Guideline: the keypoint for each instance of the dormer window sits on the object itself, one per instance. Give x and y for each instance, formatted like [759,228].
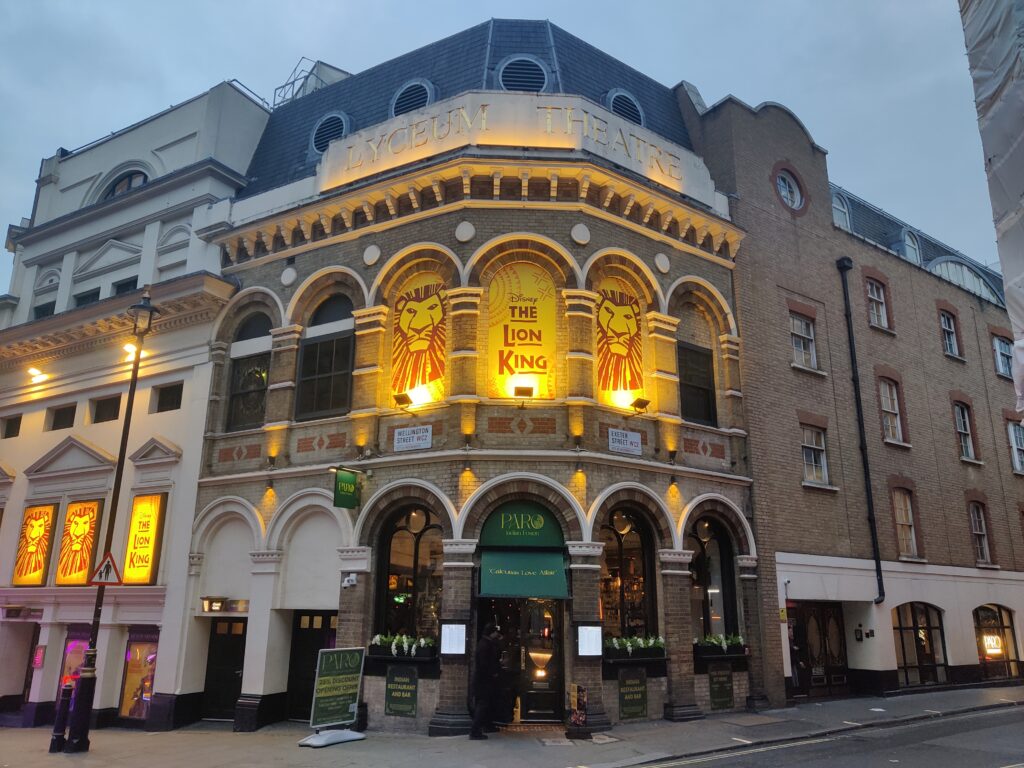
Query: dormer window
[911,249]
[125,183]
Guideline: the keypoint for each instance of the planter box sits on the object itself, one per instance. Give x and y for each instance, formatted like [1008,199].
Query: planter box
[735,655]
[611,655]
[384,652]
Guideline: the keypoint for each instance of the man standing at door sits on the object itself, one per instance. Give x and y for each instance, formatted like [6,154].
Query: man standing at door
[486,668]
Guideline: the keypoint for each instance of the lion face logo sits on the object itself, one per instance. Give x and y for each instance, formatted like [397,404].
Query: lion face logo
[33,546]
[76,544]
[418,346]
[619,350]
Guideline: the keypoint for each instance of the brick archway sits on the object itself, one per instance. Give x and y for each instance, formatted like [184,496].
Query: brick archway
[522,488]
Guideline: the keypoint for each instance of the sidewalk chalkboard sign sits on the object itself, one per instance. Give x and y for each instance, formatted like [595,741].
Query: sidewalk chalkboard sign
[400,690]
[339,674]
[720,685]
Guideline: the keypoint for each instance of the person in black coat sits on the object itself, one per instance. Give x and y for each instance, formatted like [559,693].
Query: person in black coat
[486,668]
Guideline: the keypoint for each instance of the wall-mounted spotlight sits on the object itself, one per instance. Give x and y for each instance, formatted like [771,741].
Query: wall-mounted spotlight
[673,482]
[671,457]
[403,401]
[270,483]
[639,406]
[522,394]
[466,464]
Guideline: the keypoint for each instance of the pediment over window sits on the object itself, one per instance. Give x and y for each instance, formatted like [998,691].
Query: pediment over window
[156,451]
[111,255]
[72,456]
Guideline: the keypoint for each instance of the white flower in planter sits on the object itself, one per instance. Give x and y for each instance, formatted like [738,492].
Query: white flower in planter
[394,648]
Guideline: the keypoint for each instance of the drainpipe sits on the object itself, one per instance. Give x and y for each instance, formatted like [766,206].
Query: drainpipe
[844,265]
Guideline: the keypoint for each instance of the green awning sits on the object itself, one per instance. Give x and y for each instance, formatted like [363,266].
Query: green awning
[522,573]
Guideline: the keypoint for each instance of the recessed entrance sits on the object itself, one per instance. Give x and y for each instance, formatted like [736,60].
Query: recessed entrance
[817,649]
[531,657]
[311,631]
[224,668]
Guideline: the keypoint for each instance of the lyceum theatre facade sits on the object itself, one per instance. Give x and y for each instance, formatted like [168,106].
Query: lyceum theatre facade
[490,283]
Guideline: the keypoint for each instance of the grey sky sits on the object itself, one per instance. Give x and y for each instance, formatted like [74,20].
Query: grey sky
[883,85]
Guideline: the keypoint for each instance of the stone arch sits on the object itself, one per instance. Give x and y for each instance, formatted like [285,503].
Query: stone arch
[398,493]
[440,258]
[243,304]
[522,486]
[636,495]
[709,296]
[300,505]
[219,511]
[319,286]
[97,191]
[488,257]
[624,264]
[725,511]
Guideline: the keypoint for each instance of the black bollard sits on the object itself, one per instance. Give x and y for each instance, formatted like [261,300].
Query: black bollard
[61,721]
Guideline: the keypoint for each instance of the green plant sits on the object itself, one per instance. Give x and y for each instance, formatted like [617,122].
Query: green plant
[630,644]
[719,641]
[403,645]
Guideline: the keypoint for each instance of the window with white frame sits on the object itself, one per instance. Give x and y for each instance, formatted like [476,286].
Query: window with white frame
[789,190]
[878,313]
[950,345]
[979,533]
[962,416]
[801,330]
[903,513]
[892,425]
[840,212]
[815,463]
[1003,349]
[911,248]
[1016,434]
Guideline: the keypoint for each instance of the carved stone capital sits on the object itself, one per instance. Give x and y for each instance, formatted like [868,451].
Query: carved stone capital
[746,561]
[677,559]
[354,559]
[195,563]
[458,546]
[662,326]
[585,548]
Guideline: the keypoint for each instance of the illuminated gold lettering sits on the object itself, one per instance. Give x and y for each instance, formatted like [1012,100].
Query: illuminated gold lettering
[355,158]
[620,139]
[418,130]
[640,145]
[481,112]
[447,128]
[654,158]
[570,122]
[600,130]
[391,140]
[673,166]
[547,117]
[375,148]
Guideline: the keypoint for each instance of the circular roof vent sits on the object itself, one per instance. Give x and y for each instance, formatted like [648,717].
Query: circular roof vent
[329,128]
[523,74]
[624,105]
[414,95]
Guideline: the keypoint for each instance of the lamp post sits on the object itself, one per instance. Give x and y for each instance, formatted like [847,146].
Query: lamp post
[142,315]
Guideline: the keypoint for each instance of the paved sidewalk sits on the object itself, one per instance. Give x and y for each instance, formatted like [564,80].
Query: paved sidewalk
[206,745]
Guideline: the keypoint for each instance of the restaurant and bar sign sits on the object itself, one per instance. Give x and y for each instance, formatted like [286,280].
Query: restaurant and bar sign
[339,673]
[720,686]
[632,693]
[400,689]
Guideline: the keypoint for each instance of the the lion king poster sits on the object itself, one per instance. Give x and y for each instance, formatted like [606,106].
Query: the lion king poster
[620,349]
[33,555]
[419,338]
[77,543]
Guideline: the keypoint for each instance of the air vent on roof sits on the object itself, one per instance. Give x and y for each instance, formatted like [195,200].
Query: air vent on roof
[329,128]
[523,74]
[411,96]
[624,105]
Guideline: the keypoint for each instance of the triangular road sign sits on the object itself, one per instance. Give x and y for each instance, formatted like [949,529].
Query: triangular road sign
[107,574]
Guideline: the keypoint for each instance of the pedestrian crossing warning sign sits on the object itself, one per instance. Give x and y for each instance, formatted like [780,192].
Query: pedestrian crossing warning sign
[107,574]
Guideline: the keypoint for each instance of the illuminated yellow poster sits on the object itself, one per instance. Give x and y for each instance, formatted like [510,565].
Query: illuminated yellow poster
[521,307]
[418,342]
[74,566]
[143,550]
[34,546]
[620,348]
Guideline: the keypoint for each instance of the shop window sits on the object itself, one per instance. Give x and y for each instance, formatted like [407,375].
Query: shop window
[696,384]
[713,592]
[74,655]
[139,668]
[920,644]
[627,589]
[997,643]
[410,600]
[325,361]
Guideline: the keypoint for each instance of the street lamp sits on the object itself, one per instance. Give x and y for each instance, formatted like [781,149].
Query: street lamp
[142,315]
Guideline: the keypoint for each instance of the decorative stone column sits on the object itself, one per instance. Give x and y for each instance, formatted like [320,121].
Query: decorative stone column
[218,386]
[265,669]
[585,566]
[368,368]
[675,585]
[579,312]
[284,366]
[355,608]
[730,384]
[464,318]
[747,565]
[663,379]
[452,718]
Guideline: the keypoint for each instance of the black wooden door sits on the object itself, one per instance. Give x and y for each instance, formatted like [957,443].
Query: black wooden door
[311,631]
[821,649]
[224,668]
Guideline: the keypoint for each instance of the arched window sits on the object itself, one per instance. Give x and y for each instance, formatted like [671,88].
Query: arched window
[920,644]
[126,182]
[911,248]
[713,595]
[250,369]
[840,212]
[997,644]
[324,386]
[627,587]
[410,589]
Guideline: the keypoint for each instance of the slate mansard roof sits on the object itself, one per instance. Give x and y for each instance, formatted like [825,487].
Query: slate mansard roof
[468,60]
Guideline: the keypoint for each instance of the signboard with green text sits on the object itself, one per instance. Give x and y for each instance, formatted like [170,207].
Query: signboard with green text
[346,488]
[400,690]
[339,674]
[632,693]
